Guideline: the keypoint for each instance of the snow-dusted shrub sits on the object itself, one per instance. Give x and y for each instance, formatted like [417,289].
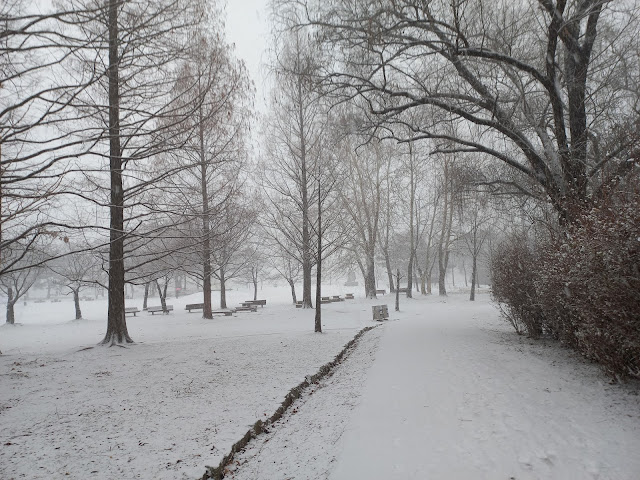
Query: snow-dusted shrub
[588,283]
[513,272]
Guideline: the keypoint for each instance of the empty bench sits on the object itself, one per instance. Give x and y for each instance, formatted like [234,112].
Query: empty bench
[133,310]
[348,296]
[194,306]
[226,313]
[262,303]
[248,308]
[159,309]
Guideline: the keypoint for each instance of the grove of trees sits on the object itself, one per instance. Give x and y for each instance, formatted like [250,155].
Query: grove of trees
[416,143]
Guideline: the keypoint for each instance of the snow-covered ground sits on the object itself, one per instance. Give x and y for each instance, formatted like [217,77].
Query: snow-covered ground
[444,390]
[452,393]
[164,407]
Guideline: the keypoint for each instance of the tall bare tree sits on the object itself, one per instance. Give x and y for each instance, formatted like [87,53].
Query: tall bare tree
[134,46]
[537,86]
[293,141]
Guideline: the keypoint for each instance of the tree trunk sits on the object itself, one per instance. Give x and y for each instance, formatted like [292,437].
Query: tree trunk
[387,262]
[163,295]
[370,275]
[206,234]
[11,319]
[472,296]
[254,278]
[318,320]
[464,270]
[146,296]
[412,194]
[423,279]
[76,302]
[398,290]
[116,321]
[293,290]
[306,235]
[223,290]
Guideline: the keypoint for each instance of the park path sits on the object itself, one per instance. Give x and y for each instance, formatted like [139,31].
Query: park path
[452,394]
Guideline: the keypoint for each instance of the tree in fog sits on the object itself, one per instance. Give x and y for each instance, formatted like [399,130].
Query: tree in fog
[16,284]
[233,253]
[214,154]
[293,143]
[366,171]
[539,86]
[77,271]
[37,144]
[134,47]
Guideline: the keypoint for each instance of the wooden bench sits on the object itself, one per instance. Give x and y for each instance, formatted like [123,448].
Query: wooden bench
[226,313]
[402,290]
[158,309]
[325,299]
[337,298]
[348,296]
[194,306]
[262,303]
[133,310]
[250,308]
[299,304]
[382,291]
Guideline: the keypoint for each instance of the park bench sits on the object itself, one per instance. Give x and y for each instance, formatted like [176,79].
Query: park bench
[299,304]
[402,290]
[133,310]
[250,308]
[337,298]
[226,313]
[158,309]
[325,299]
[381,291]
[262,303]
[348,296]
[194,306]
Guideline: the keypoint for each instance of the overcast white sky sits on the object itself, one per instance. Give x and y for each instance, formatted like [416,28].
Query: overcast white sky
[248,28]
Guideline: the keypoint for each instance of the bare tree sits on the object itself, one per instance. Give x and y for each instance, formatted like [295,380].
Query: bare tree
[36,143]
[534,85]
[78,270]
[215,149]
[233,254]
[16,284]
[362,198]
[133,47]
[292,140]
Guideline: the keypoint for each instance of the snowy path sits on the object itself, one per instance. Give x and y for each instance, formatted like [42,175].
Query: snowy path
[452,394]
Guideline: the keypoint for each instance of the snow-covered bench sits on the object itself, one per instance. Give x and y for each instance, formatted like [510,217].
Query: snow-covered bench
[249,308]
[348,296]
[194,306]
[262,303]
[158,309]
[133,310]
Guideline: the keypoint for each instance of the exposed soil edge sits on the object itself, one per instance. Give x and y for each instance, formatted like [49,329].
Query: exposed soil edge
[217,473]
